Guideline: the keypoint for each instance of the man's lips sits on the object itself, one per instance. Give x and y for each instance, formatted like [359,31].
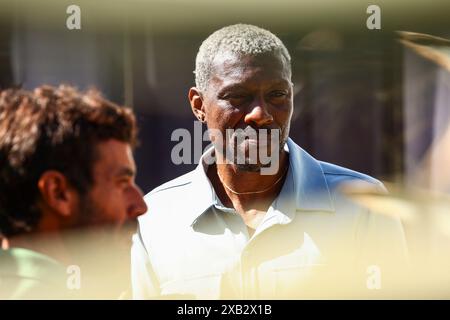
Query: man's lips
[254,137]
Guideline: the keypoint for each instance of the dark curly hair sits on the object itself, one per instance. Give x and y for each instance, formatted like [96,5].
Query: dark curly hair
[51,129]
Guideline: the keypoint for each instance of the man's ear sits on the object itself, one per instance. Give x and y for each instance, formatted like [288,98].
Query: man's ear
[57,194]
[197,106]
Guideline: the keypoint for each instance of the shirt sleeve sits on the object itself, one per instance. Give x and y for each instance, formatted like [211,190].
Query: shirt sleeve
[143,279]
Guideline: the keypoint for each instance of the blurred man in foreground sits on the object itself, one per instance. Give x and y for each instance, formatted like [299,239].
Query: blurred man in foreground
[66,191]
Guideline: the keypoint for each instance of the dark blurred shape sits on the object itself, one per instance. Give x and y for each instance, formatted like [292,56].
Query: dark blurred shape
[6,77]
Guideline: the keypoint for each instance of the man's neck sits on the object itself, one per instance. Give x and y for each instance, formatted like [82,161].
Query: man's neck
[251,193]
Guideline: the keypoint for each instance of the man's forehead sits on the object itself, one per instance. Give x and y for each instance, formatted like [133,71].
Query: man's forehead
[231,68]
[226,59]
[114,153]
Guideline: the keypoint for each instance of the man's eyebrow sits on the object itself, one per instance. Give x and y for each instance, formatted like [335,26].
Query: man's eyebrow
[281,82]
[126,171]
[233,86]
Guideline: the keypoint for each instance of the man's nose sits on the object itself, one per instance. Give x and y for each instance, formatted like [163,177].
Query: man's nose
[138,205]
[258,113]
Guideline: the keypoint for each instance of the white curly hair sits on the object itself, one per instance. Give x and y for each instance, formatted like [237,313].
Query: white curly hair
[242,39]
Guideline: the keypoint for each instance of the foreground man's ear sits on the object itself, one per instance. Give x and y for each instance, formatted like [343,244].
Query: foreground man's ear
[195,98]
[56,193]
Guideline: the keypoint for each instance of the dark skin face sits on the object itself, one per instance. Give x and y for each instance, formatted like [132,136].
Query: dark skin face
[246,91]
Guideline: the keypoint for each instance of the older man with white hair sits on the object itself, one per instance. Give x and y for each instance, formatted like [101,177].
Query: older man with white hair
[229,230]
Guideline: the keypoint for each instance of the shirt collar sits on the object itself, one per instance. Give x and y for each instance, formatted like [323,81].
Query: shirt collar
[310,185]
[203,191]
[306,180]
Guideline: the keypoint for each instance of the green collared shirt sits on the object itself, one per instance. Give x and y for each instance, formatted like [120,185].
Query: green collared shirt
[25,274]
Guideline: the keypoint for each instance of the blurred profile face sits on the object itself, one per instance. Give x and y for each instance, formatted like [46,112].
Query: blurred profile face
[249,93]
[107,216]
[114,198]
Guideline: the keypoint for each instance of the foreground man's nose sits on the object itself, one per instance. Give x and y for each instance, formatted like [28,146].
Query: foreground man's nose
[138,205]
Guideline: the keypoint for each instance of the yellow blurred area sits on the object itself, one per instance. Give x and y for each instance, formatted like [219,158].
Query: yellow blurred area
[181,15]
[425,216]
[94,263]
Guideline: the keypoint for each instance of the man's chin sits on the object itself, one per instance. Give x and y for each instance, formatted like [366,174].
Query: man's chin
[248,167]
[251,167]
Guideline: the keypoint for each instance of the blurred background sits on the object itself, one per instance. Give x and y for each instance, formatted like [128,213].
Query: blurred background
[376,101]
[363,99]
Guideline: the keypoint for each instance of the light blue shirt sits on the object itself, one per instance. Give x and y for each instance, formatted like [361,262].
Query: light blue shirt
[189,244]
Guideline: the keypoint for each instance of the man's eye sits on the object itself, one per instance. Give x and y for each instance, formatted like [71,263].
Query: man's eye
[123,182]
[278,94]
[237,99]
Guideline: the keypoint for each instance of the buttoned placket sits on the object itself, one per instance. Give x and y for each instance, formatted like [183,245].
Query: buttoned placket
[248,271]
[281,211]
